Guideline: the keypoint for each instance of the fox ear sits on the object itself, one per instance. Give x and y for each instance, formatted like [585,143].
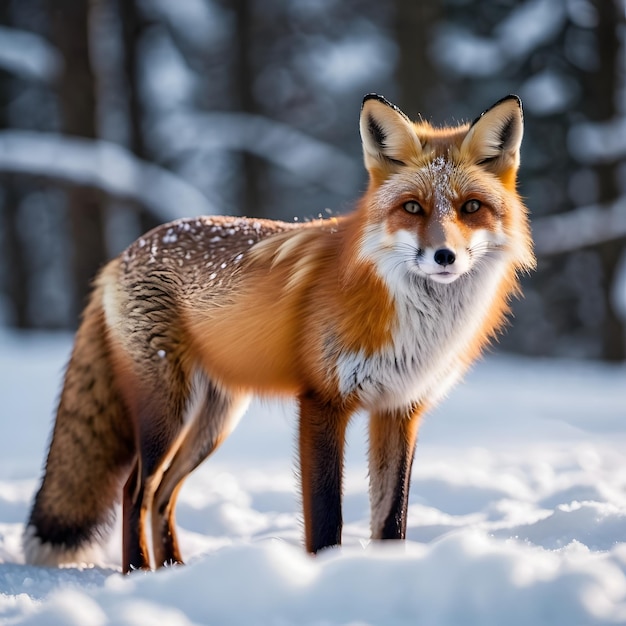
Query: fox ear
[387,134]
[493,140]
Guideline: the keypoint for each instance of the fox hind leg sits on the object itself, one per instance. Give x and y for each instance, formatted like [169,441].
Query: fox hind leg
[214,416]
[159,411]
[134,549]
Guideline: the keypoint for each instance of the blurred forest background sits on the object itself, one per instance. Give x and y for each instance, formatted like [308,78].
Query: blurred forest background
[116,115]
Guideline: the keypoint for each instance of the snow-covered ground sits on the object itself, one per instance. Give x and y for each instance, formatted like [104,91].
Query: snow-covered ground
[517,514]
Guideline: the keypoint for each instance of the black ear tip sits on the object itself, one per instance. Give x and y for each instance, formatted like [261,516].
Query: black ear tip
[381,99]
[375,96]
[514,97]
[511,96]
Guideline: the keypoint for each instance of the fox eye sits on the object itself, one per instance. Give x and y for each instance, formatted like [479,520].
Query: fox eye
[471,206]
[412,207]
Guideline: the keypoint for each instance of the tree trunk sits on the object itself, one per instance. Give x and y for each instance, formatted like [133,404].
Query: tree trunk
[17,275]
[76,88]
[601,106]
[13,253]
[133,27]
[251,200]
[416,74]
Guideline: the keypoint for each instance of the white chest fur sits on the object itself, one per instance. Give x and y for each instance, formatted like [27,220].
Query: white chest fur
[435,326]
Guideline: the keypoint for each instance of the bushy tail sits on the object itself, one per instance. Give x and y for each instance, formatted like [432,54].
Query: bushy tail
[90,453]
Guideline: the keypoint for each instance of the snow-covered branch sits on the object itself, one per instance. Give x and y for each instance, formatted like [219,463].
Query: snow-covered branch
[309,159]
[28,55]
[581,227]
[104,165]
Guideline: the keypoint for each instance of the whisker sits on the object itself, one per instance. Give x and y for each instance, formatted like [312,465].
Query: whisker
[482,247]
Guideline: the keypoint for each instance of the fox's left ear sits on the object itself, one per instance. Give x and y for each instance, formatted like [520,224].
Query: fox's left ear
[493,140]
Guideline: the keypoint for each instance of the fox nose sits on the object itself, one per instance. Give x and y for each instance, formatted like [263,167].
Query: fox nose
[444,256]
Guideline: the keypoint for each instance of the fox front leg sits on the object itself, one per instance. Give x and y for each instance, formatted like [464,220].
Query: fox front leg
[392,439]
[321,443]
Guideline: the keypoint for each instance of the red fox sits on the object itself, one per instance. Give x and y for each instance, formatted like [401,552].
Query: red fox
[382,309]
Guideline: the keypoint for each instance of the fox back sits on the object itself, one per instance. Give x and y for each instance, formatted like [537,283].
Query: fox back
[382,309]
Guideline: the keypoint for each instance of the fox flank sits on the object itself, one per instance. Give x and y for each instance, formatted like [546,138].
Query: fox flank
[383,309]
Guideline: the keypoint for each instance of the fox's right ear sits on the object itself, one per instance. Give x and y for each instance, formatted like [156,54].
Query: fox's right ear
[387,135]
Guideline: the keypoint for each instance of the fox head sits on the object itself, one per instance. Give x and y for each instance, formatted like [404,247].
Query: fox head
[442,201]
